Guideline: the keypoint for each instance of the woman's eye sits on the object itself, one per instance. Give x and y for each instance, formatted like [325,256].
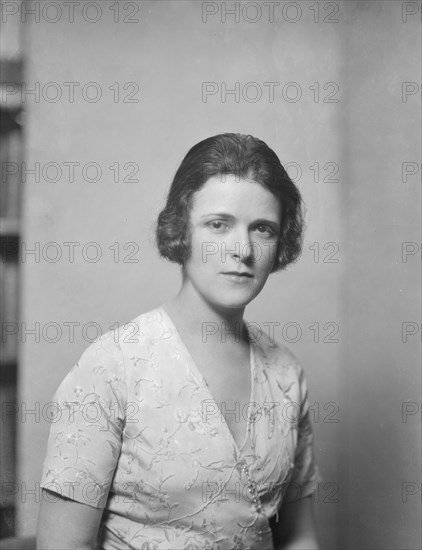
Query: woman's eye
[265,229]
[218,225]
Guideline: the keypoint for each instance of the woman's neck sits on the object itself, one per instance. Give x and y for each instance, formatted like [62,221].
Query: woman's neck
[194,316]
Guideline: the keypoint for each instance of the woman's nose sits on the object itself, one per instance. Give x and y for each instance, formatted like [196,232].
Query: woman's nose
[241,247]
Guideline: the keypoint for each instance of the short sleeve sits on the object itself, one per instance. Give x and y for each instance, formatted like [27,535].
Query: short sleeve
[305,476]
[87,425]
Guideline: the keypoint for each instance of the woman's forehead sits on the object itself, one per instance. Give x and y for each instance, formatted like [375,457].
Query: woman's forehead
[231,194]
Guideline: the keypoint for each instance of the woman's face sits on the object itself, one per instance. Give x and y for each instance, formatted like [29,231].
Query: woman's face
[235,226]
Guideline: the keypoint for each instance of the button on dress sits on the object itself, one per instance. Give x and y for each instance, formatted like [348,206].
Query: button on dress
[137,432]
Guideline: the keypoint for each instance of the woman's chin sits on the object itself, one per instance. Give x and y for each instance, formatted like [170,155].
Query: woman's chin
[233,300]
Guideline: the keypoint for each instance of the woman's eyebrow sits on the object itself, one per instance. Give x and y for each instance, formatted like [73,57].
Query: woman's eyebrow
[231,217]
[221,214]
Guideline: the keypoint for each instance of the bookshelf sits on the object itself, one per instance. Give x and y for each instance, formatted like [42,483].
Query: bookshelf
[11,156]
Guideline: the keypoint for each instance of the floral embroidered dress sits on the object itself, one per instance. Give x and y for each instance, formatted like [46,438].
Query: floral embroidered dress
[137,432]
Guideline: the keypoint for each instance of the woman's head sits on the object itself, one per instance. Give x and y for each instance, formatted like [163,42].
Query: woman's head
[247,158]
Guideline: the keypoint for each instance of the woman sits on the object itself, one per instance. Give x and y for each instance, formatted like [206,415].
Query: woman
[185,429]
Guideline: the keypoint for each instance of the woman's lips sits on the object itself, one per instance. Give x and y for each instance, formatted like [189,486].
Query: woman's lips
[238,277]
[240,273]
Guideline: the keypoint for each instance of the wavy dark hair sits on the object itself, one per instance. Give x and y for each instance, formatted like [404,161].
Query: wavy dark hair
[246,157]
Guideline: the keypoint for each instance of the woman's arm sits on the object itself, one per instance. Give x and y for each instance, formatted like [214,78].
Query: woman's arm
[66,524]
[295,529]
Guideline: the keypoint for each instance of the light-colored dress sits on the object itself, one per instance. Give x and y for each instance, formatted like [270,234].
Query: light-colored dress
[136,431]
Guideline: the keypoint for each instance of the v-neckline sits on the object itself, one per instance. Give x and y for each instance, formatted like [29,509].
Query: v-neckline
[195,367]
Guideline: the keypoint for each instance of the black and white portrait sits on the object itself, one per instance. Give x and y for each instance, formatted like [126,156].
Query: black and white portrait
[210,275]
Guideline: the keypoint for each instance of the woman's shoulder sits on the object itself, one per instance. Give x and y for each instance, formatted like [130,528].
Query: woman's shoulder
[277,357]
[147,328]
[108,350]
[147,324]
